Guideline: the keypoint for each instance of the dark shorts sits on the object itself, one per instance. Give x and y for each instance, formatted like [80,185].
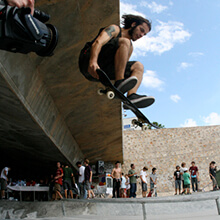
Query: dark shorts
[105,60]
[67,184]
[178,184]
[186,186]
[144,187]
[3,184]
[87,185]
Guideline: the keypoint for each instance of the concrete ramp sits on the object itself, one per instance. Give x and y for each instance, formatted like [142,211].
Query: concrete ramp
[48,110]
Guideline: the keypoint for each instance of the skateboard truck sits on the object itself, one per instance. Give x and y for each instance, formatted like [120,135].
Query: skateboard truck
[109,93]
[136,122]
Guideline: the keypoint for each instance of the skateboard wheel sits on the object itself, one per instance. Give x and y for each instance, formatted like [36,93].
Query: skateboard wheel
[144,127]
[110,95]
[134,122]
[100,91]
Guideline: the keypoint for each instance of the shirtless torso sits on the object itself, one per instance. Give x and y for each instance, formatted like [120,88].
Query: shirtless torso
[116,173]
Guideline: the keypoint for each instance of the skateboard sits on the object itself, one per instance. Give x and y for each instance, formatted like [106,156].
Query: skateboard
[111,92]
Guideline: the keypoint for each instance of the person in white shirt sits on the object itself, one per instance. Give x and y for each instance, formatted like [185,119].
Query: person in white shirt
[81,182]
[123,186]
[3,181]
[143,177]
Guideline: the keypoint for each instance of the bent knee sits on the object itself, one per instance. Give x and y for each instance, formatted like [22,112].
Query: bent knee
[138,66]
[125,42]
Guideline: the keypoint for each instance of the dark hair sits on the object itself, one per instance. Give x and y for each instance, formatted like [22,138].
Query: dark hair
[132,165]
[193,162]
[117,162]
[183,163]
[78,163]
[177,166]
[154,169]
[129,19]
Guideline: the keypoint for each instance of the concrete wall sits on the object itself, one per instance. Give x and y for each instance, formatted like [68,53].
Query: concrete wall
[166,148]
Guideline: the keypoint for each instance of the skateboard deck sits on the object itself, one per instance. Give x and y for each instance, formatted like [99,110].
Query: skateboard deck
[111,91]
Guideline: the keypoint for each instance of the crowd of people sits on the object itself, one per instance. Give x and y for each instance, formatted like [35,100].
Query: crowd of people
[125,186]
[183,176]
[63,183]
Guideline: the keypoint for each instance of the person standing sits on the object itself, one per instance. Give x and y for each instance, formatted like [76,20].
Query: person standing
[186,178]
[143,177]
[81,183]
[177,178]
[4,180]
[88,178]
[183,166]
[133,181]
[123,186]
[127,185]
[212,174]
[58,181]
[67,181]
[153,181]
[194,176]
[116,175]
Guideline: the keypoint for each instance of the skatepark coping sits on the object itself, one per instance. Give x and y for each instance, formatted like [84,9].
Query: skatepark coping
[152,200]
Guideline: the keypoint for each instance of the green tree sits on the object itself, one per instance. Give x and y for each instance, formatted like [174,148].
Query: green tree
[157,124]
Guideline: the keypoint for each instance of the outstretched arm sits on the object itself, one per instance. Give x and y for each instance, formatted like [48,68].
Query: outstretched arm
[107,34]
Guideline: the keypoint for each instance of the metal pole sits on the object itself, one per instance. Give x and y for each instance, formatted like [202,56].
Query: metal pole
[144,211]
[218,206]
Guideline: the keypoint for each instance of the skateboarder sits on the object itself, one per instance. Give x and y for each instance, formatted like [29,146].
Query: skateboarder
[110,50]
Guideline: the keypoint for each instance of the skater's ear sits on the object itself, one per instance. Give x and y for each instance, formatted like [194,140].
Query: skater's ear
[133,24]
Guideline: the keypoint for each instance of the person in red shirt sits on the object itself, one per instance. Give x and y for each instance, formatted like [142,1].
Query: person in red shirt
[194,176]
[58,181]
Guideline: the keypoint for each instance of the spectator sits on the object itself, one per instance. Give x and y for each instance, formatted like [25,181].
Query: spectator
[194,176]
[51,186]
[123,186]
[58,181]
[212,174]
[116,175]
[143,176]
[22,3]
[30,182]
[177,178]
[186,178]
[4,180]
[88,178]
[81,182]
[133,181]
[67,181]
[127,185]
[183,166]
[20,183]
[153,181]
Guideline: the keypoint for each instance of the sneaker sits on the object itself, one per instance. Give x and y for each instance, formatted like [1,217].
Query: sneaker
[124,85]
[140,101]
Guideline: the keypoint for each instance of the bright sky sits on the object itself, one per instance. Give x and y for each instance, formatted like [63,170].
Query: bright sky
[181,56]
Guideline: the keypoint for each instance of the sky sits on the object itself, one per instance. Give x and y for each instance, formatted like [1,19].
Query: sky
[181,57]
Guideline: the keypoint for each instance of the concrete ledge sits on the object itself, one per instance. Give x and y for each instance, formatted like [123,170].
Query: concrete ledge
[112,207]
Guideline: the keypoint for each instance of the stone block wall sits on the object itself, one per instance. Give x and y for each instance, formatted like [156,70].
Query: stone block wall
[166,148]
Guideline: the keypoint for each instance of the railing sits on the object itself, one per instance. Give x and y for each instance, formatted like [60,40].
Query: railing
[145,201]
